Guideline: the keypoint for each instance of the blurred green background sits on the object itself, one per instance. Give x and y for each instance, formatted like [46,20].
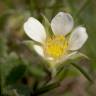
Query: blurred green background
[13,13]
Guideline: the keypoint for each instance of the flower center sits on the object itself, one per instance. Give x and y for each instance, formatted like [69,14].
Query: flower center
[56,47]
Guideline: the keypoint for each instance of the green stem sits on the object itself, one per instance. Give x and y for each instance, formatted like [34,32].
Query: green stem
[46,89]
[82,71]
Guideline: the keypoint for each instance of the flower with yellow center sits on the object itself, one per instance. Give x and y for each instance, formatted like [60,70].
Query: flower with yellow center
[60,47]
[55,47]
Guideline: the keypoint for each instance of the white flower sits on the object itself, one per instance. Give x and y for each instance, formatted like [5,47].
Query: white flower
[62,46]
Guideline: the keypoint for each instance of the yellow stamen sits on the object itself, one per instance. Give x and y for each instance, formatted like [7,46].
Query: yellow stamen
[56,46]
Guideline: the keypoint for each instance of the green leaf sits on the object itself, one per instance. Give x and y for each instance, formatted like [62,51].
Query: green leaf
[11,68]
[37,72]
[17,90]
[22,90]
[73,72]
[6,66]
[29,44]
[46,88]
[47,26]
[35,85]
[83,72]
[62,73]
[15,74]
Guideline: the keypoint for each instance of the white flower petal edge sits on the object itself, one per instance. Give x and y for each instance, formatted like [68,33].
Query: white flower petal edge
[62,23]
[77,38]
[35,30]
[39,50]
[67,57]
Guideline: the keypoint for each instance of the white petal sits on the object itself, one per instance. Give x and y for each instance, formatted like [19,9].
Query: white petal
[39,50]
[62,23]
[77,38]
[49,58]
[67,57]
[35,30]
